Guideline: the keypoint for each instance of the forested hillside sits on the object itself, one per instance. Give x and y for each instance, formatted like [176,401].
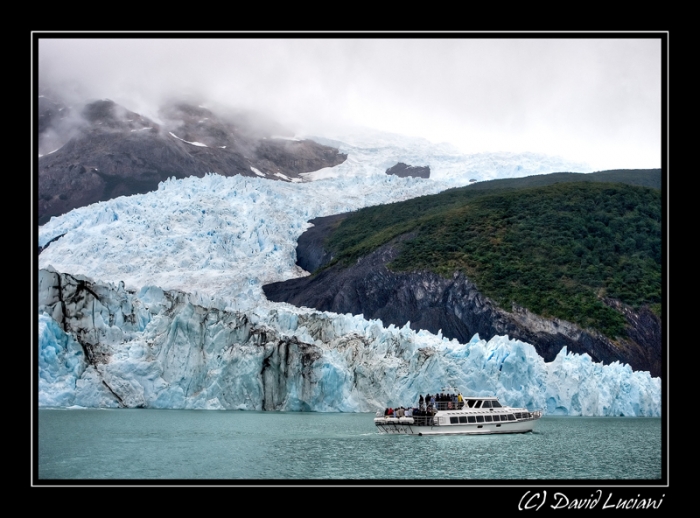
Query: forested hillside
[557,250]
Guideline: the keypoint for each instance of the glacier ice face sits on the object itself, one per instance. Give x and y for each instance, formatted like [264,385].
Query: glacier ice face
[163,349]
[61,364]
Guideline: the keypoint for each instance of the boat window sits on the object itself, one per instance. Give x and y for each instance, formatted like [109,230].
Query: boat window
[471,419]
[488,418]
[463,419]
[471,403]
[480,419]
[454,420]
[511,417]
[496,404]
[496,417]
[518,415]
[486,404]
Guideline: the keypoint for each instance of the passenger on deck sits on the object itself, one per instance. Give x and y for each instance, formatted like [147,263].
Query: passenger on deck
[421,402]
[460,400]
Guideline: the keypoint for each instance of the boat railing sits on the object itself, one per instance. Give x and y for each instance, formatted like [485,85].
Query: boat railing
[423,420]
[528,416]
[449,405]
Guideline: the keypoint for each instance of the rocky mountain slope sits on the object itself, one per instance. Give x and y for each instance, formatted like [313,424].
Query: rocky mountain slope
[105,151]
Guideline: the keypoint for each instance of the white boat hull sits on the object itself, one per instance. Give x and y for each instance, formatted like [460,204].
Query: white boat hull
[458,429]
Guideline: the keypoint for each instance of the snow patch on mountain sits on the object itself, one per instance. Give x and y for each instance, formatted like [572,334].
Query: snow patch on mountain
[186,141]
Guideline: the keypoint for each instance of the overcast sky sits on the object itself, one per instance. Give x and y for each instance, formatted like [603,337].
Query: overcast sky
[592,100]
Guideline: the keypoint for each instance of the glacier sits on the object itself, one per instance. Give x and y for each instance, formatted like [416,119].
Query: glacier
[164,349]
[371,152]
[155,300]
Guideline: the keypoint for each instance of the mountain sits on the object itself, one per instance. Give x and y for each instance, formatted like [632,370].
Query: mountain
[530,263]
[107,151]
[156,300]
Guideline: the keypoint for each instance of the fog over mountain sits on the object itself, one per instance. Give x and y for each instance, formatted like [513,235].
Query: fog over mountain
[592,100]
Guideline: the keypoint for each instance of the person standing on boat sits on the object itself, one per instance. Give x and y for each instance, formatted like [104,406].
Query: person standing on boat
[460,400]
[421,403]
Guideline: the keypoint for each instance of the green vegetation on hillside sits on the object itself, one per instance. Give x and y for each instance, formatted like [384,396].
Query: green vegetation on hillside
[642,177]
[556,250]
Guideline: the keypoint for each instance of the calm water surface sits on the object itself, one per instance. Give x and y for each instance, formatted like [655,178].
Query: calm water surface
[106,444]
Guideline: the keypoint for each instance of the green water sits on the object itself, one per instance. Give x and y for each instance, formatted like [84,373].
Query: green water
[142,444]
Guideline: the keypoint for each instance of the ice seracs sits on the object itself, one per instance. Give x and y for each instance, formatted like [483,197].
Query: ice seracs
[102,345]
[219,236]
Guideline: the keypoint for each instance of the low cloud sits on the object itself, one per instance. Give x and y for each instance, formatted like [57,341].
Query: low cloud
[592,100]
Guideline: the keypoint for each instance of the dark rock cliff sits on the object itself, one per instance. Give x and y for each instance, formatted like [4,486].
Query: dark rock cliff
[404,170]
[452,305]
[108,151]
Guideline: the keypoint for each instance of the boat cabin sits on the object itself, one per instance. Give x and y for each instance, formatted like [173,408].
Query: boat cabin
[469,402]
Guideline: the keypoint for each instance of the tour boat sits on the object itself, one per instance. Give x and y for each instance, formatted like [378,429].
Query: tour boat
[477,415]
